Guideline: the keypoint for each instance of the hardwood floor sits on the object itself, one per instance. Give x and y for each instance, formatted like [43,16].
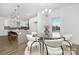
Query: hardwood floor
[11,48]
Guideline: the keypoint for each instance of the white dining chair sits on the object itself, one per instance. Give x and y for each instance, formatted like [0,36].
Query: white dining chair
[67,41]
[67,38]
[32,39]
[54,47]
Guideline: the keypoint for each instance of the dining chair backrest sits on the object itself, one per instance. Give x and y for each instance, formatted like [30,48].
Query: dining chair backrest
[30,37]
[54,43]
[67,36]
[33,33]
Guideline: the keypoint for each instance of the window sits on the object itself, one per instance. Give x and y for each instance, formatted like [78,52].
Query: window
[56,22]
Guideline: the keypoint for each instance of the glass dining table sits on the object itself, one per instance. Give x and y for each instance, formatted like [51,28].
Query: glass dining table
[40,40]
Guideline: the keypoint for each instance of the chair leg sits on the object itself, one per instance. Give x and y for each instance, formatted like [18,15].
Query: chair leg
[62,50]
[46,49]
[31,47]
[40,47]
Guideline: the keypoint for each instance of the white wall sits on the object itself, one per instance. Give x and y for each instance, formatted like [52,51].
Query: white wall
[32,24]
[70,20]
[2,31]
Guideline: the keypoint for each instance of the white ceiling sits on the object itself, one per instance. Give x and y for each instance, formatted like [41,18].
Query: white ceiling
[27,10]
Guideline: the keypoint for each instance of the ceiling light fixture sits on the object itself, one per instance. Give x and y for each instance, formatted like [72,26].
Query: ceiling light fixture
[15,13]
[46,12]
